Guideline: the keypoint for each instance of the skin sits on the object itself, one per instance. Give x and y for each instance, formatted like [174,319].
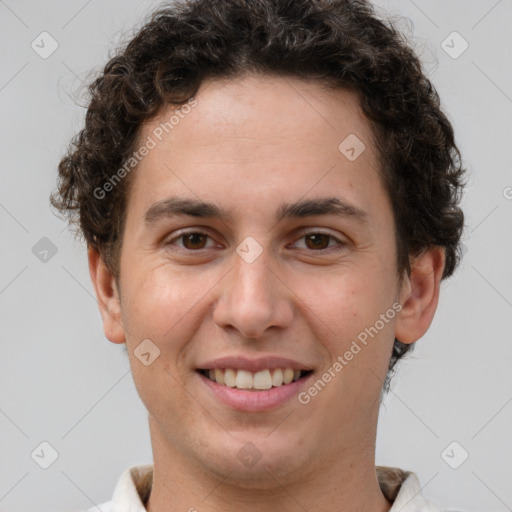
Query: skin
[249,145]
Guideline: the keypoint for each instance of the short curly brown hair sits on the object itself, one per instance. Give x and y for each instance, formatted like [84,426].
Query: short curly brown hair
[339,43]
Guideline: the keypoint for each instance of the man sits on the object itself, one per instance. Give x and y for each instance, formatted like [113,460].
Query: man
[269,193]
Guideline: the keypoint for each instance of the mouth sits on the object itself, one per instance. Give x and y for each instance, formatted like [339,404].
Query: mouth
[258,381]
[254,385]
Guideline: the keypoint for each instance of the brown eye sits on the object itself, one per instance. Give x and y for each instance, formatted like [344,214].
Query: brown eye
[191,241]
[194,240]
[318,241]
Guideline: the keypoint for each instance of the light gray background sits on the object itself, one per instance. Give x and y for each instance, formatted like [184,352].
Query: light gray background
[62,382]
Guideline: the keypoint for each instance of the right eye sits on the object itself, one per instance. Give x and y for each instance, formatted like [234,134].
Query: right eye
[193,240]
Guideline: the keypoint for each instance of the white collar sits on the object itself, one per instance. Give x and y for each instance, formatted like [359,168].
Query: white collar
[401,488]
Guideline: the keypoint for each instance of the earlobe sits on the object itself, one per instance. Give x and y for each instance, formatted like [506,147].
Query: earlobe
[108,297]
[420,295]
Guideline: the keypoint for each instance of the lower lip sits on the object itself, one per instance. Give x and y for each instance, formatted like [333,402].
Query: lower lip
[255,401]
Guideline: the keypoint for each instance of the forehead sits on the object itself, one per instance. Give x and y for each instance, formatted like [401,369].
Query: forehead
[268,109]
[255,134]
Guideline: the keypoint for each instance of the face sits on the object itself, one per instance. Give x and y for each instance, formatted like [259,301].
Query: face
[292,259]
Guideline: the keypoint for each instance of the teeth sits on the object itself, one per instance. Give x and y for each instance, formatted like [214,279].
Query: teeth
[264,379]
[229,378]
[287,375]
[277,377]
[244,379]
[218,376]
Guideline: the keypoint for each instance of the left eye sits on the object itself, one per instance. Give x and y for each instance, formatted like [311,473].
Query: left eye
[315,241]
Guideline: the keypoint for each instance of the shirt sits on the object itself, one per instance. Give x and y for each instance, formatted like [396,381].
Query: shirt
[401,488]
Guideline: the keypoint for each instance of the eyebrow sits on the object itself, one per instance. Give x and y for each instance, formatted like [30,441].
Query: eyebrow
[176,206]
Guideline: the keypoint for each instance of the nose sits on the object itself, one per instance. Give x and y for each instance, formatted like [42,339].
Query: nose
[253,298]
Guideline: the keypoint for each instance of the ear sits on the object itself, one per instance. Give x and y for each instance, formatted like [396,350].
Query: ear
[108,297]
[420,294]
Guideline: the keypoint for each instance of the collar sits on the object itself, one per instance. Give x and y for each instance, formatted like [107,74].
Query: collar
[401,488]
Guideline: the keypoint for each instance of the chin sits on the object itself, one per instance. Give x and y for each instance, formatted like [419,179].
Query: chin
[257,461]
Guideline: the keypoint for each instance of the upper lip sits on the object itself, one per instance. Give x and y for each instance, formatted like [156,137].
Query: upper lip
[254,365]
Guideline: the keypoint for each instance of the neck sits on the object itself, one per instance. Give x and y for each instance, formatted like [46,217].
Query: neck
[346,482]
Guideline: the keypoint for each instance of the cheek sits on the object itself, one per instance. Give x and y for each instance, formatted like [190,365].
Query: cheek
[347,297]
[161,307]
[168,306]
[156,303]
[346,306]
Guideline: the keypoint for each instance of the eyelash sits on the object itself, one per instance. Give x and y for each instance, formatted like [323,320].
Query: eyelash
[341,244]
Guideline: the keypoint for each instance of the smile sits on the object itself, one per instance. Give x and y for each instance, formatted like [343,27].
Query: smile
[256,381]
